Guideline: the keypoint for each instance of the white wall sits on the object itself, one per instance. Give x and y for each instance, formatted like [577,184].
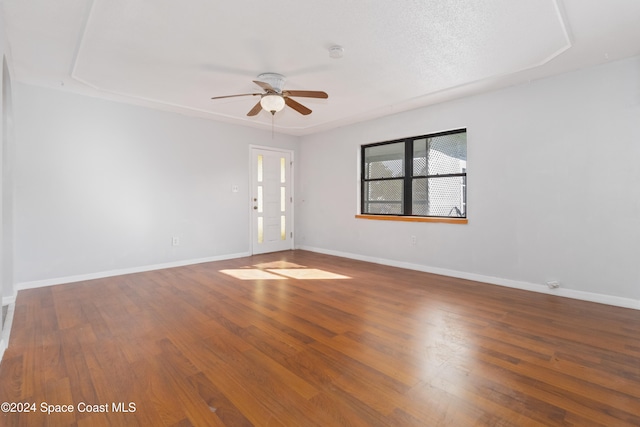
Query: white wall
[553,188]
[6,192]
[103,187]
[8,142]
[3,288]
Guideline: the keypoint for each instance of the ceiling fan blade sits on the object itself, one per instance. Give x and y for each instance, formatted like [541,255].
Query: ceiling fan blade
[255,110]
[266,86]
[297,106]
[233,96]
[306,93]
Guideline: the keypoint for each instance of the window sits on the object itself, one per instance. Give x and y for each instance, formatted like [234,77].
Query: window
[418,176]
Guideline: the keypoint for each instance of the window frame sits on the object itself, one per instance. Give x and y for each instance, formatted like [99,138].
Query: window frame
[407,179]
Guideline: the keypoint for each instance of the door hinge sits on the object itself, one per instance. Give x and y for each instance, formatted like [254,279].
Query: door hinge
[291,234]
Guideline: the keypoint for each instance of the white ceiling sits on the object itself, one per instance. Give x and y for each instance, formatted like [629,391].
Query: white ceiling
[398,55]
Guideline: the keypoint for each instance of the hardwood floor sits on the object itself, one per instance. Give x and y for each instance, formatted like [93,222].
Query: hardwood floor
[243,342]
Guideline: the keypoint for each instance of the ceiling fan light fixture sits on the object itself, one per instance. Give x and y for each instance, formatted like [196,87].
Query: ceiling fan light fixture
[272,103]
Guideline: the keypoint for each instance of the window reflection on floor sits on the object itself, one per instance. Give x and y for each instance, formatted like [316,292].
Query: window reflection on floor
[251,274]
[279,264]
[307,273]
[281,270]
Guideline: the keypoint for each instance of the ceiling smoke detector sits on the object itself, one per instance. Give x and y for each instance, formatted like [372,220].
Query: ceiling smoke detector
[336,52]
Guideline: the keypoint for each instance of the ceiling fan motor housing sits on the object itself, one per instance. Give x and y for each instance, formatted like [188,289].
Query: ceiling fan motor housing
[274,79]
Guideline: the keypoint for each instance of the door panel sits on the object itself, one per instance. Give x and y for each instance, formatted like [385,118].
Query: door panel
[272,214]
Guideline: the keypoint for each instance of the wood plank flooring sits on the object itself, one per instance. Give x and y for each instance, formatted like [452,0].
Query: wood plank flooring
[282,340]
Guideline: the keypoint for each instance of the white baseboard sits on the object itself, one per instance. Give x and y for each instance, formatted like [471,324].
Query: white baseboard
[534,287]
[120,272]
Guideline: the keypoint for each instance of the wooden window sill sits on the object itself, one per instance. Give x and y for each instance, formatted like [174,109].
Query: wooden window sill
[414,218]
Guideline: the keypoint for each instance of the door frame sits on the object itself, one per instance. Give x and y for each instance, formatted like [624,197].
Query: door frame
[253,177]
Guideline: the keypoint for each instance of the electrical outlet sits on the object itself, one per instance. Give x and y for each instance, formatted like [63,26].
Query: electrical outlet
[553,284]
[175,241]
[414,240]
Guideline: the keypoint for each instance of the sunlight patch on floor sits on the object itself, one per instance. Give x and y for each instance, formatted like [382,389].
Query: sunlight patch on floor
[279,264]
[278,270]
[307,273]
[251,274]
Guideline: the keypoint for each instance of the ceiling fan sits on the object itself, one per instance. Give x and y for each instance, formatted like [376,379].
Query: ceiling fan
[273,99]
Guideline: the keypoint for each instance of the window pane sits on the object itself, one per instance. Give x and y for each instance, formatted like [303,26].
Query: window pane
[283,228]
[384,161]
[383,197]
[260,170]
[439,196]
[420,157]
[260,230]
[447,154]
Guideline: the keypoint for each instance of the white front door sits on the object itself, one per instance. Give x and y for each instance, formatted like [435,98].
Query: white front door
[271,206]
